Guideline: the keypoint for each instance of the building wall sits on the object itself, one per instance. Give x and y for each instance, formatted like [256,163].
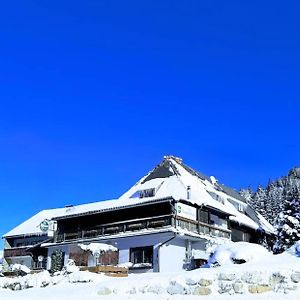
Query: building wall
[124,245]
[182,250]
[172,256]
[167,257]
[154,240]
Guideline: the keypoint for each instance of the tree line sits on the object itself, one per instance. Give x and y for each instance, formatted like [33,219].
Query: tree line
[279,203]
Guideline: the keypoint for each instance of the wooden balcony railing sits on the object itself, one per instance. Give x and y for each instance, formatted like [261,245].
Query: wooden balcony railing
[142,224]
[117,227]
[12,252]
[202,228]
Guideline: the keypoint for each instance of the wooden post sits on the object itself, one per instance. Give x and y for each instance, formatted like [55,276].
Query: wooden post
[198,216]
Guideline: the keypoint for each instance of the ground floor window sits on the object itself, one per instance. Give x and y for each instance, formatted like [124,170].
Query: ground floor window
[239,235]
[142,256]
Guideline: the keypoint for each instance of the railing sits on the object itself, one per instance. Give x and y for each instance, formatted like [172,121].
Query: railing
[145,223]
[12,252]
[202,228]
[117,227]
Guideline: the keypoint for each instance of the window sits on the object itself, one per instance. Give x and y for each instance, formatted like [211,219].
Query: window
[239,235]
[144,193]
[240,207]
[142,256]
[203,216]
[147,193]
[218,221]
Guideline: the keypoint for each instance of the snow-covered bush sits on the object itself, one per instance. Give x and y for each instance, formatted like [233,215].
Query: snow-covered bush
[295,249]
[70,267]
[44,279]
[236,253]
[20,269]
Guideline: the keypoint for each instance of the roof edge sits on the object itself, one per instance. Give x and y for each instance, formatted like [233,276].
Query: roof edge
[166,199]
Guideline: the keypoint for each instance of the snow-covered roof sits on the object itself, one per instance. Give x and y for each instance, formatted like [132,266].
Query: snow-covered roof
[32,225]
[171,179]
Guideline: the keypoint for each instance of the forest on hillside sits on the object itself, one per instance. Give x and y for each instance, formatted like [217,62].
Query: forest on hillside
[279,203]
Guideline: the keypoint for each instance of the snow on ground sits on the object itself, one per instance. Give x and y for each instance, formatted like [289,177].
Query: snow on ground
[263,276]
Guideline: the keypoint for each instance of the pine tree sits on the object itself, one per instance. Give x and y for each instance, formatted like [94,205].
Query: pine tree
[274,201]
[247,194]
[57,261]
[288,221]
[279,203]
[259,201]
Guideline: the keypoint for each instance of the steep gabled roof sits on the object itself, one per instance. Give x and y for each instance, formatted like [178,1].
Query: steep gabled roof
[173,178]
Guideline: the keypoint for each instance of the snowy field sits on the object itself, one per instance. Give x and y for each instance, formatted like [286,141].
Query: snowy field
[262,276]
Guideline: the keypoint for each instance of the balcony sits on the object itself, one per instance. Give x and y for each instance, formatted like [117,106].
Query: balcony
[116,228]
[12,252]
[202,228]
[144,224]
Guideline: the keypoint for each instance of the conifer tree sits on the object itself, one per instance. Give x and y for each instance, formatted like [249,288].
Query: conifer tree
[57,261]
[288,222]
[259,201]
[247,194]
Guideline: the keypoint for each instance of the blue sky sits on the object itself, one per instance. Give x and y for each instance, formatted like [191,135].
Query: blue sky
[94,93]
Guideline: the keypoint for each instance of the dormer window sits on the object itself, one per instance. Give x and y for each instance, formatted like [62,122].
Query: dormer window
[147,193]
[240,207]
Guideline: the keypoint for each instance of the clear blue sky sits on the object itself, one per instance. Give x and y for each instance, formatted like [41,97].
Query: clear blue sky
[94,93]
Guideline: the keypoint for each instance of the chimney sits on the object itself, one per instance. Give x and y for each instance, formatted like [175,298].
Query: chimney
[188,190]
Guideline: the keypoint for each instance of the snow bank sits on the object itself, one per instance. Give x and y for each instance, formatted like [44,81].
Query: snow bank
[97,248]
[20,268]
[236,253]
[264,273]
[295,249]
[126,265]
[44,279]
[70,267]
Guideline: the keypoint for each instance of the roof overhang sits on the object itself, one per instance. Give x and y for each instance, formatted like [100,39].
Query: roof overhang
[5,236]
[117,207]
